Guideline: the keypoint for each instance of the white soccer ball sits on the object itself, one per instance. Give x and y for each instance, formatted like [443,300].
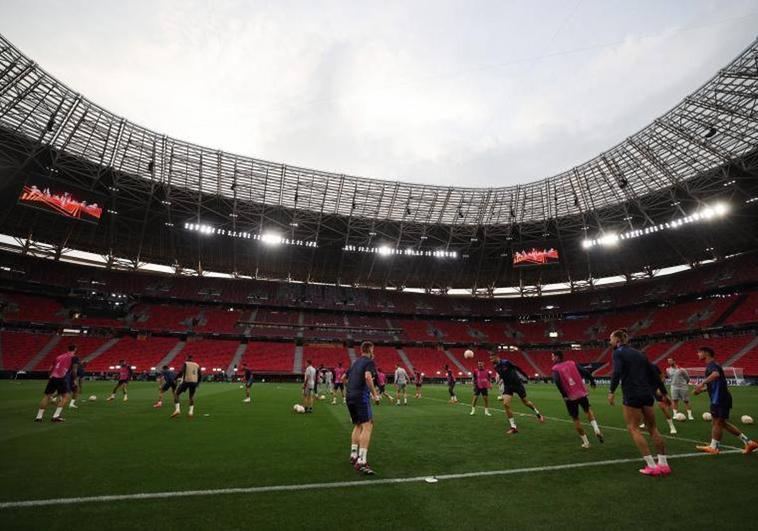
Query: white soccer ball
[468,354]
[681,417]
[298,408]
[322,397]
[707,417]
[746,419]
[92,398]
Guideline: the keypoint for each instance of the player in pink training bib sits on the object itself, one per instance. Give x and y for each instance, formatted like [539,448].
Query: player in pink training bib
[339,385]
[63,370]
[482,385]
[381,384]
[124,375]
[569,378]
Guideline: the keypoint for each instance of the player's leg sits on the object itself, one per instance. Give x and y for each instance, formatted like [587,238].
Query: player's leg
[125,389]
[633,418]
[509,413]
[688,407]
[43,404]
[192,390]
[750,445]
[648,413]
[364,440]
[177,404]
[115,390]
[528,403]
[485,396]
[355,439]
[473,402]
[593,422]
[667,415]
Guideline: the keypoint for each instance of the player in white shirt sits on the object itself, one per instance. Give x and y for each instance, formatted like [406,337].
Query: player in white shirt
[401,383]
[680,387]
[309,386]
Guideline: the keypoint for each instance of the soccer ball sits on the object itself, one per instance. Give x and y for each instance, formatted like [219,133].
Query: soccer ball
[298,408]
[92,398]
[322,397]
[746,419]
[680,417]
[468,354]
[707,417]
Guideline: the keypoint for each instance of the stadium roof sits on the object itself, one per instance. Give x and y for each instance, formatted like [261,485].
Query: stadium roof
[672,167]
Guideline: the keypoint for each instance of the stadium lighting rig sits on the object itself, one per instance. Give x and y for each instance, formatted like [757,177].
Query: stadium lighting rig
[385,250]
[611,239]
[267,238]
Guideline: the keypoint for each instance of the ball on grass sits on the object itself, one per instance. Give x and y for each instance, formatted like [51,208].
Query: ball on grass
[746,419]
[298,408]
[681,417]
[707,417]
[92,398]
[468,354]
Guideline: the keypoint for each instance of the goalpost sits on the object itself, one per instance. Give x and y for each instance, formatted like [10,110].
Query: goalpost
[734,375]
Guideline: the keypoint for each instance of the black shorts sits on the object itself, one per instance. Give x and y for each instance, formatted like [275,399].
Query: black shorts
[338,386]
[514,389]
[451,388]
[573,406]
[638,402]
[418,385]
[480,392]
[360,409]
[57,385]
[187,386]
[381,389]
[721,411]
[249,383]
[123,382]
[168,385]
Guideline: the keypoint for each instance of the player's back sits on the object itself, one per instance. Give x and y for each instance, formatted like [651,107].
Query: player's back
[718,389]
[571,379]
[191,371]
[634,370]
[356,380]
[62,365]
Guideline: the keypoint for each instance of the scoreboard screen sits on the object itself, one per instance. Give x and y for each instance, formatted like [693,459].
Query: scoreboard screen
[51,196]
[535,257]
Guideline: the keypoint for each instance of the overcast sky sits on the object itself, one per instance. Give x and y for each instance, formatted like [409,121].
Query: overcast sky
[471,93]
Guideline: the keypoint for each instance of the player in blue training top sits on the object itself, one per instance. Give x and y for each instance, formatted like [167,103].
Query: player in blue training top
[360,390]
[248,376]
[639,381]
[721,404]
[510,376]
[166,381]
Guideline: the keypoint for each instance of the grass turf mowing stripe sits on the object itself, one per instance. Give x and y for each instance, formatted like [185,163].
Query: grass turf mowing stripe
[333,485]
[616,428]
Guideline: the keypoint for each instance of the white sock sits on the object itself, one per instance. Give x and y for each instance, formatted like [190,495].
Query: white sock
[689,413]
[674,411]
[744,438]
[40,413]
[362,455]
[512,422]
[73,402]
[671,423]
[58,411]
[662,460]
[191,410]
[473,409]
[177,407]
[486,410]
[649,461]
[715,443]
[595,426]
[353,450]
[584,438]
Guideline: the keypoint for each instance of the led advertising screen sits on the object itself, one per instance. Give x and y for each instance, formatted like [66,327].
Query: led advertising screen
[535,257]
[57,198]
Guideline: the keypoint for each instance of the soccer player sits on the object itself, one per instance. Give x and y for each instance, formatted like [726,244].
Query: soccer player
[309,386]
[328,380]
[166,381]
[482,384]
[76,384]
[721,404]
[360,390]
[509,375]
[401,383]
[190,376]
[663,404]
[569,378]
[381,382]
[638,380]
[248,375]
[59,382]
[339,385]
[680,388]
[418,379]
[450,377]
[124,375]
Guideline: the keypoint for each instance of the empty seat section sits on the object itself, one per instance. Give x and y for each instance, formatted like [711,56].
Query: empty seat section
[264,356]
[326,354]
[221,321]
[20,347]
[428,360]
[747,312]
[85,347]
[140,353]
[209,353]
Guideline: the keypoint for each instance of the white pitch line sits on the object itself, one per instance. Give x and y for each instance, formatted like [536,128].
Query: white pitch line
[334,485]
[557,419]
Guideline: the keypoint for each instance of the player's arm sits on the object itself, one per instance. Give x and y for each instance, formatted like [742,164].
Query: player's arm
[199,376]
[686,376]
[557,381]
[616,377]
[701,387]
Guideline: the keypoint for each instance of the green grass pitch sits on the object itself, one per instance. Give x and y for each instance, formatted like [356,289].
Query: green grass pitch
[125,448]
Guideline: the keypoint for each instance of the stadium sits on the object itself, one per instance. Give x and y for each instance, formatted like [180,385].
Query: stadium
[142,251]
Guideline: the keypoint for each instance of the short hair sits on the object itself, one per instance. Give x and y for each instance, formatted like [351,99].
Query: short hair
[308,362]
[558,354]
[366,347]
[339,364]
[165,367]
[621,334]
[707,350]
[71,348]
